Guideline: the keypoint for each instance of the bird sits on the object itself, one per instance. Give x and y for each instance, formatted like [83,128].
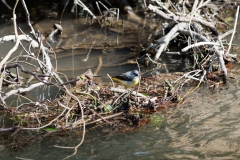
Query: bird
[129,79]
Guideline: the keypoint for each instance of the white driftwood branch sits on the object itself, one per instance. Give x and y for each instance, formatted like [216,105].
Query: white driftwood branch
[126,91]
[199,44]
[182,29]
[181,18]
[225,34]
[16,36]
[21,90]
[234,30]
[167,38]
[187,75]
[78,2]
[34,43]
[219,52]
[4,2]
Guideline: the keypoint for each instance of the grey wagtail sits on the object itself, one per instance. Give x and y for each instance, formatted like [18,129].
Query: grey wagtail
[129,79]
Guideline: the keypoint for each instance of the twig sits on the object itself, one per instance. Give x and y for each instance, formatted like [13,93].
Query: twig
[90,49]
[225,34]
[62,105]
[11,51]
[118,98]
[99,65]
[182,18]
[167,38]
[8,129]
[139,76]
[111,80]
[234,30]
[16,65]
[105,118]
[37,128]
[126,91]
[199,44]
[4,2]
[187,74]
[60,21]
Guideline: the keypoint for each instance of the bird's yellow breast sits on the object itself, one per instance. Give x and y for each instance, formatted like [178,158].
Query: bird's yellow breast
[128,83]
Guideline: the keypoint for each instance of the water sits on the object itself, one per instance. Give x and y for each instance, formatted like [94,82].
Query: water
[205,126]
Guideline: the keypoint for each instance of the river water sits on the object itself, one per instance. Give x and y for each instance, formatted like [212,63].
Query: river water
[205,126]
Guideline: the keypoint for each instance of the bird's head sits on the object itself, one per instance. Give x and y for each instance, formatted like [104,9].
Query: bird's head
[135,73]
